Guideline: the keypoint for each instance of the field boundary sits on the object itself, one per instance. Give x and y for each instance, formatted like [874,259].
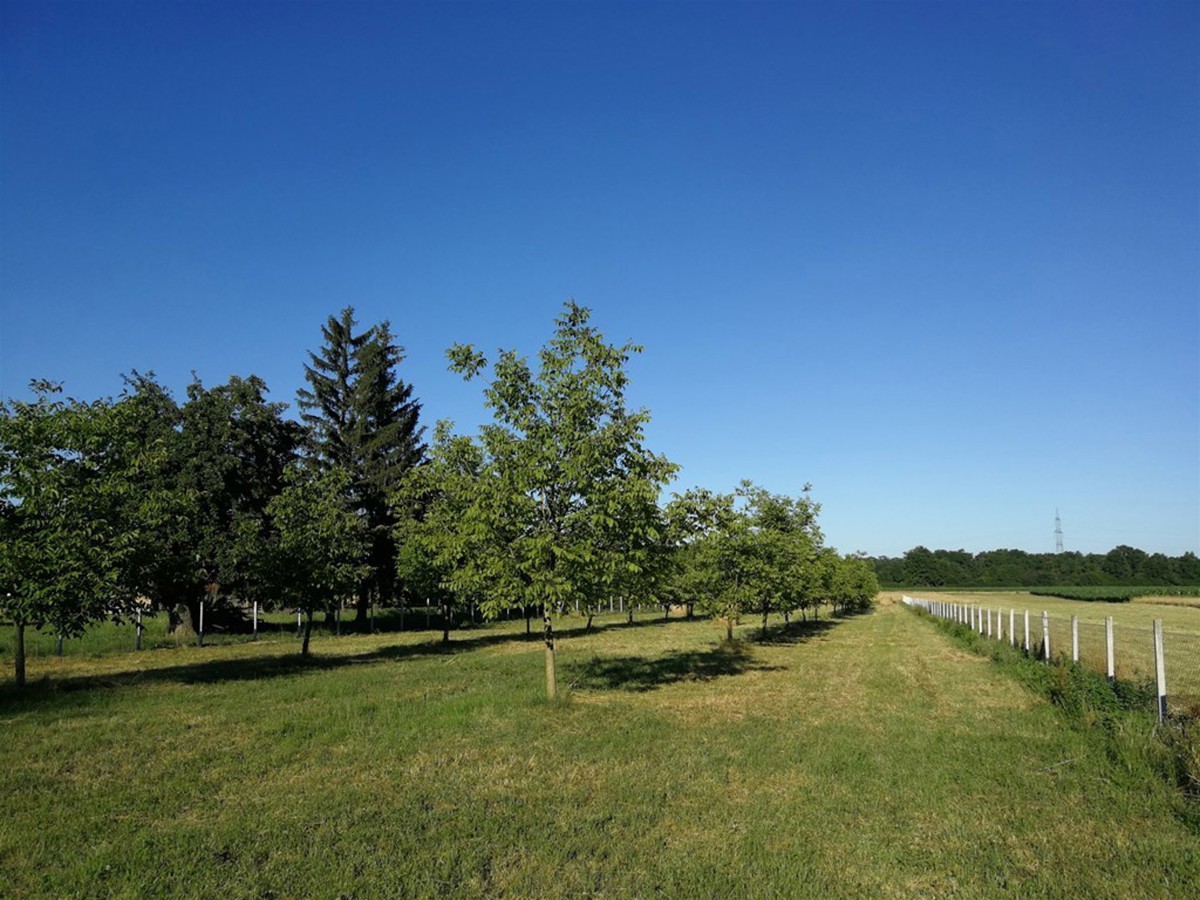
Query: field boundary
[1163,664]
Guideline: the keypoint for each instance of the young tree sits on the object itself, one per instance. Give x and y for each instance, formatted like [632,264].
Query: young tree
[319,549]
[441,555]
[757,555]
[364,420]
[71,515]
[853,584]
[565,482]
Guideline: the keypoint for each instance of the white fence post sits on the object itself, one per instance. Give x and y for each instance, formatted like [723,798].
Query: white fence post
[255,618]
[1046,635]
[1160,670]
[137,645]
[979,618]
[200,633]
[1112,659]
[999,624]
[297,623]
[1075,639]
[1012,627]
[988,613]
[1026,631]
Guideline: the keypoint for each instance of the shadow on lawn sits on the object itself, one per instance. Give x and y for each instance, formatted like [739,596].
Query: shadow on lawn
[48,690]
[794,632]
[646,673]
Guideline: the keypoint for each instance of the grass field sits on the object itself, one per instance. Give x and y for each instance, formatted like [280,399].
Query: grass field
[863,757]
[1176,616]
[1132,633]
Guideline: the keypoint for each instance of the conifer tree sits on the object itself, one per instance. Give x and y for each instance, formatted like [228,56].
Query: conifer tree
[364,420]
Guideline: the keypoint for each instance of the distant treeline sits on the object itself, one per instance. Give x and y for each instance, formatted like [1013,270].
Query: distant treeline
[1123,565]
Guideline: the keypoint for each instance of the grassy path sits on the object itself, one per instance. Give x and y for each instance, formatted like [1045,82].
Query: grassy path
[862,758]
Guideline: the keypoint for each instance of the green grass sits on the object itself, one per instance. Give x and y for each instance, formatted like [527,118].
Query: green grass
[1132,632]
[862,757]
[1115,594]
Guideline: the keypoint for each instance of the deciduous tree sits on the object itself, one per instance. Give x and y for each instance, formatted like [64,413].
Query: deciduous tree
[566,485]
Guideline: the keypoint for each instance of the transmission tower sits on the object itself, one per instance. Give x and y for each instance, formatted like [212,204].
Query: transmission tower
[1058,548]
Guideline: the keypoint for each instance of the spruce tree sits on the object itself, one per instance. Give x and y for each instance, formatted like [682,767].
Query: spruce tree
[363,420]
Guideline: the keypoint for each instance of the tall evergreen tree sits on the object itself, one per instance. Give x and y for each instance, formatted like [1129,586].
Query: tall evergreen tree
[364,420]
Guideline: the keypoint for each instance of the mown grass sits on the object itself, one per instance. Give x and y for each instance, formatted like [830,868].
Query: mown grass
[861,757]
[1133,639]
[1092,593]
[1177,617]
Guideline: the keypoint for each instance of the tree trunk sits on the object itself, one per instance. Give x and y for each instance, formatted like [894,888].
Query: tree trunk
[183,619]
[764,624]
[19,654]
[362,611]
[591,615]
[729,628]
[691,609]
[307,632]
[445,623]
[528,621]
[551,681]
[630,614]
[60,643]
[787,617]
[666,611]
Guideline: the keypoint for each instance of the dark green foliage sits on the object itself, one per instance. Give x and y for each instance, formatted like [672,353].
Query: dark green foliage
[1122,566]
[228,450]
[363,420]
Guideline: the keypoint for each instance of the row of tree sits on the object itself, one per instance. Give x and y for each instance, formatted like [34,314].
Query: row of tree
[220,499]
[1121,566]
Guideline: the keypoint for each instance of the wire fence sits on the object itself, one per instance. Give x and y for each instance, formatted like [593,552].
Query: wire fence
[1167,662]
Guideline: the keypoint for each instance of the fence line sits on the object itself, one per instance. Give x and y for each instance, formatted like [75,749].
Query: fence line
[1152,657]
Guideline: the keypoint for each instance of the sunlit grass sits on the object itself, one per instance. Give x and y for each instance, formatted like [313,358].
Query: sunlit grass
[864,757]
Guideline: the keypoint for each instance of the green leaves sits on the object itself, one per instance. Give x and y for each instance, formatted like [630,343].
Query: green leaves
[556,499]
[78,496]
[364,420]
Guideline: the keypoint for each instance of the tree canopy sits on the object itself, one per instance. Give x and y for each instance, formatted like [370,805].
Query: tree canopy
[565,501]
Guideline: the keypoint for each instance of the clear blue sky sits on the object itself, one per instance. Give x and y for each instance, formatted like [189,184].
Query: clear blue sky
[940,260]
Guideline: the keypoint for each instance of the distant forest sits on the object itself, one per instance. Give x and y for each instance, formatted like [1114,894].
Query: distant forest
[1123,565]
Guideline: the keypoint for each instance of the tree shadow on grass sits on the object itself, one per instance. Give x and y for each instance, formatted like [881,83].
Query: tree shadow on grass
[793,632]
[647,673]
[49,690]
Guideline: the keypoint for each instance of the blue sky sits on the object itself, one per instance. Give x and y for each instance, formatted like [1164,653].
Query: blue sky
[940,260]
